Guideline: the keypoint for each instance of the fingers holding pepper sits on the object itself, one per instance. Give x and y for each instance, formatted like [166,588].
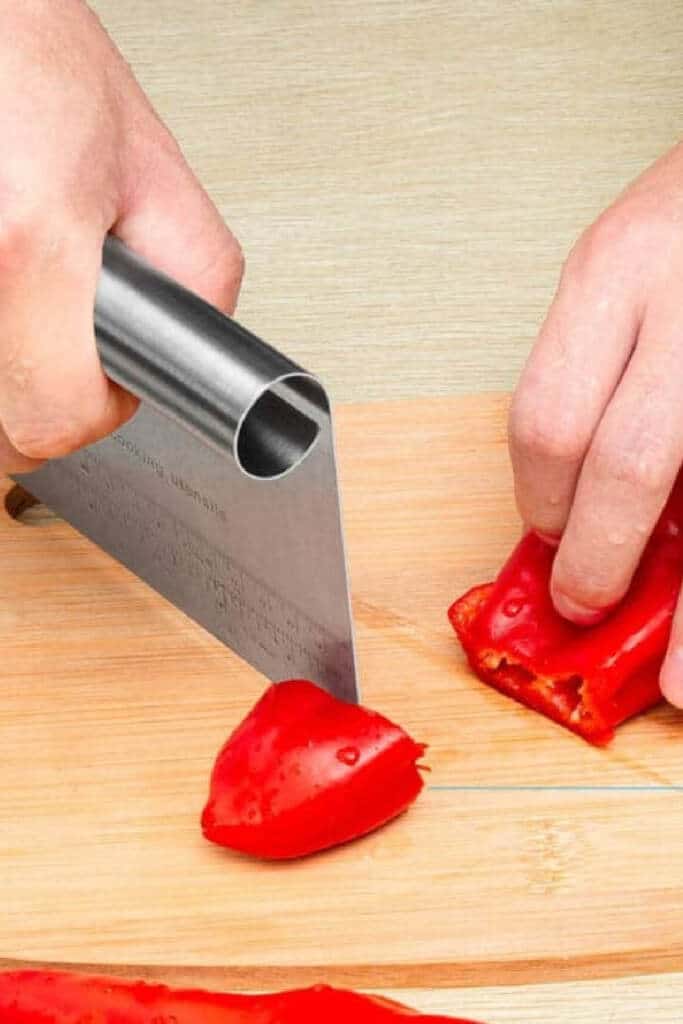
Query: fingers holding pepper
[596,427]
[566,386]
[626,477]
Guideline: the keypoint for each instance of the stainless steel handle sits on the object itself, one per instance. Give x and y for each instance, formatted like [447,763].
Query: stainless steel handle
[191,362]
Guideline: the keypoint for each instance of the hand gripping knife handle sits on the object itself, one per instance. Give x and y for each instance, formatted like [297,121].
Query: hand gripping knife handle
[222,490]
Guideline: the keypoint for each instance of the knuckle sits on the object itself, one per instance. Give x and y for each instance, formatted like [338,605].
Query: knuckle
[19,242]
[43,438]
[605,236]
[613,243]
[224,278]
[537,433]
[643,467]
[598,246]
[616,228]
[235,262]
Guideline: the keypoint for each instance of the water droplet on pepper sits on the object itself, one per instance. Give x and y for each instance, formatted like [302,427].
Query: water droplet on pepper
[513,607]
[348,755]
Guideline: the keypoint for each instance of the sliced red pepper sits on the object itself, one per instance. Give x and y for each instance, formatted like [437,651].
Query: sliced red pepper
[50,997]
[589,679]
[305,771]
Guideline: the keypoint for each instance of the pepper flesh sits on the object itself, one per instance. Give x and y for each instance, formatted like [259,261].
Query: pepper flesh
[589,679]
[305,771]
[51,997]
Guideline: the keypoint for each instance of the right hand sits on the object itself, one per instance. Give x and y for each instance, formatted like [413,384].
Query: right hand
[84,153]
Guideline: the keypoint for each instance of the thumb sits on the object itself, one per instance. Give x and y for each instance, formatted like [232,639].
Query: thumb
[168,219]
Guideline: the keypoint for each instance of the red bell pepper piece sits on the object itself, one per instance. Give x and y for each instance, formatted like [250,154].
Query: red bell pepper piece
[49,997]
[589,679]
[305,771]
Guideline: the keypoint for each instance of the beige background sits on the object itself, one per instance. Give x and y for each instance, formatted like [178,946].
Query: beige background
[405,178]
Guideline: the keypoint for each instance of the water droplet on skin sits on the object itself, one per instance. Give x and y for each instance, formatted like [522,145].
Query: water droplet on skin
[512,607]
[348,755]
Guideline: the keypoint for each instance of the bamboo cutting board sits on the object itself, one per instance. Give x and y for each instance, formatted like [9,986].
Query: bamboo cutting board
[530,856]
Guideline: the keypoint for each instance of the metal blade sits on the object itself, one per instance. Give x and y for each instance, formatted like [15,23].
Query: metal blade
[222,491]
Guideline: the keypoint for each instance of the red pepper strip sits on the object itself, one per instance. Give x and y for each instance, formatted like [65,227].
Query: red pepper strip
[48,997]
[305,771]
[589,679]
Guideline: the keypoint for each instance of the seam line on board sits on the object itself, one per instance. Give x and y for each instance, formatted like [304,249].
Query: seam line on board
[503,788]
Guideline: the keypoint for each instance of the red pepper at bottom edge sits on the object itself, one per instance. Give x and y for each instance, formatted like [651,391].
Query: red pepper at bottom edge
[50,997]
[589,679]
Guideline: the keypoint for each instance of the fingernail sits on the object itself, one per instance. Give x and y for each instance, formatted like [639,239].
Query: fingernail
[671,677]
[576,612]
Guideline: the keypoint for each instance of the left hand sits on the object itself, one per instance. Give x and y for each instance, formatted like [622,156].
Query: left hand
[596,425]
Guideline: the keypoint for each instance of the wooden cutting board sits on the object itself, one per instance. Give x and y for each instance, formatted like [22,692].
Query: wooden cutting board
[530,856]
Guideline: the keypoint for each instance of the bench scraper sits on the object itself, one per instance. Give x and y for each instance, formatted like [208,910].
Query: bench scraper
[222,490]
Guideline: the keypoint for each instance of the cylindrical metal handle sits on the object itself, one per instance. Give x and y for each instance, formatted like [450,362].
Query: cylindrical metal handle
[171,349]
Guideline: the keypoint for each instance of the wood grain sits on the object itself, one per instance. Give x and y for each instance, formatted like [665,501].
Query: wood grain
[407,177]
[114,705]
[653,1000]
